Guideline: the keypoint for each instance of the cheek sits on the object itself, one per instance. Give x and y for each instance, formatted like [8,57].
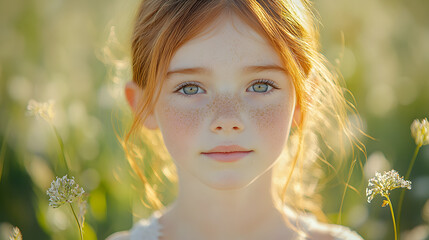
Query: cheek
[179,127]
[272,123]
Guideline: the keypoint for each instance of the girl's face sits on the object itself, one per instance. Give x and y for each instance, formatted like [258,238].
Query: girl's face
[226,107]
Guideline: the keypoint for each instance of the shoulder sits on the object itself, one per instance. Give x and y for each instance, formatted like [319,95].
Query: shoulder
[314,229]
[325,231]
[147,229]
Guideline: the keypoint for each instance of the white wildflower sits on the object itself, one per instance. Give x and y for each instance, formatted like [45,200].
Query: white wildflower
[64,190]
[15,234]
[383,184]
[420,131]
[44,110]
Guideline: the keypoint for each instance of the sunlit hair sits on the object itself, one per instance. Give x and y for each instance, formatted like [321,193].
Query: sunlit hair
[163,26]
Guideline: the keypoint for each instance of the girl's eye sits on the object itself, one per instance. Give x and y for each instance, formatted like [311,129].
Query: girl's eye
[262,86]
[189,89]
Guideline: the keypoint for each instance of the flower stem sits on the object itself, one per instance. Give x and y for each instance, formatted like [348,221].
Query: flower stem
[393,216]
[77,221]
[3,148]
[61,143]
[412,162]
[401,197]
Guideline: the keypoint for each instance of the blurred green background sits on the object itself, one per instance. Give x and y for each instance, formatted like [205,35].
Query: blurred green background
[66,51]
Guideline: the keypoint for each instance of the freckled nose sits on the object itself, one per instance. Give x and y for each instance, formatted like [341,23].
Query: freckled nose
[227,125]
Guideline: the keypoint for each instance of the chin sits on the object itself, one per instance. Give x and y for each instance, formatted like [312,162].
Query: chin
[227,181]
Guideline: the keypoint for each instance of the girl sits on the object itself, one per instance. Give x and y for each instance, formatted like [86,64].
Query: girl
[241,97]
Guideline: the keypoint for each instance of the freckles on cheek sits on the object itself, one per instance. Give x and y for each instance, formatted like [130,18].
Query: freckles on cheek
[272,122]
[178,126]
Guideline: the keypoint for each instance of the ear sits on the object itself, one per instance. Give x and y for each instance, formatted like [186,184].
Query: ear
[297,117]
[134,94]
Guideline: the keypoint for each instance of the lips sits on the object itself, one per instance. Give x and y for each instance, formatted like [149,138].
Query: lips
[229,153]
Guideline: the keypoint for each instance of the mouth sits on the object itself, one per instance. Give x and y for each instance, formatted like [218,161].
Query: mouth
[230,153]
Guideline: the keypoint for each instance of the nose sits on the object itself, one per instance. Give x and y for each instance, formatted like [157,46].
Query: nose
[227,125]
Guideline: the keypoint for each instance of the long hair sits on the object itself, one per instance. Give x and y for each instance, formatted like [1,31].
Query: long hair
[163,26]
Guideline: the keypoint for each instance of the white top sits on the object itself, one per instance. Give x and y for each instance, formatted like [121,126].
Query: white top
[150,229]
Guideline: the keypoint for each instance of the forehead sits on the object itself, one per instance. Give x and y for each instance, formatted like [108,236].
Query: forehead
[228,42]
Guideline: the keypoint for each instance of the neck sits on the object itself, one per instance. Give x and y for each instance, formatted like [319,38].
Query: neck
[207,213]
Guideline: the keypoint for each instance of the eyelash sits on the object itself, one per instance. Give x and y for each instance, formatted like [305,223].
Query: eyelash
[185,84]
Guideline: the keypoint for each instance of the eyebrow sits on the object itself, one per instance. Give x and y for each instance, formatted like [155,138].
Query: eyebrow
[247,69]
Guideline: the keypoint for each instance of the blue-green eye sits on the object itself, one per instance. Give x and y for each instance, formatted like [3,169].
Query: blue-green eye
[189,89]
[262,86]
